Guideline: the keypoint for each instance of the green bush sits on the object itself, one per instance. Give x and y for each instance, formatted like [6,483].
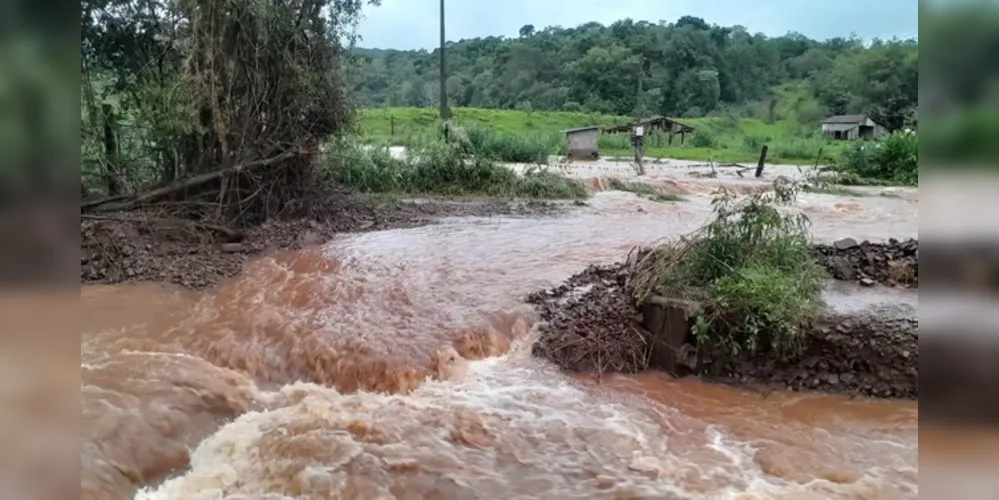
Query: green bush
[703,139]
[752,268]
[439,168]
[370,170]
[545,184]
[893,158]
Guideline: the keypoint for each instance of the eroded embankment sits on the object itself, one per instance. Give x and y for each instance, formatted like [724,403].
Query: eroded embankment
[592,323]
[138,247]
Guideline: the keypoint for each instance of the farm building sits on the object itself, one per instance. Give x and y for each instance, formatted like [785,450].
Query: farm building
[582,143]
[661,123]
[851,128]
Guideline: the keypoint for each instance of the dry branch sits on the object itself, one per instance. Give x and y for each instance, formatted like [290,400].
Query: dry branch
[114,204]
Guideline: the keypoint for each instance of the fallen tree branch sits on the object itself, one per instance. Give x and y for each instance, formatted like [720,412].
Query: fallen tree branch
[229,233]
[110,205]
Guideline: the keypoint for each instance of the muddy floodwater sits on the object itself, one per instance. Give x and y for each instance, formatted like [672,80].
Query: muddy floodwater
[340,372]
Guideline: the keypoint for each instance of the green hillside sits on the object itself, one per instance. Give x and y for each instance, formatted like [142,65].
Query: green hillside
[722,139]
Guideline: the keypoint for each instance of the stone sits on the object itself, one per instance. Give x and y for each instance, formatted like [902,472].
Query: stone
[867,282]
[842,268]
[845,243]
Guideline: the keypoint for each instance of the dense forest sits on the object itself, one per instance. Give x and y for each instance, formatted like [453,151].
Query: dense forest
[686,68]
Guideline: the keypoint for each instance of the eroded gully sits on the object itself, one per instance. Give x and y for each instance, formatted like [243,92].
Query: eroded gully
[308,377]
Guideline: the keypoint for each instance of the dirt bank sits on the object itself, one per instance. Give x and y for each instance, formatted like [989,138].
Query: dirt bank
[127,247]
[591,323]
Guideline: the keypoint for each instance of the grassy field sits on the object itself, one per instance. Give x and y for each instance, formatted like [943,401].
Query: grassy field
[721,139]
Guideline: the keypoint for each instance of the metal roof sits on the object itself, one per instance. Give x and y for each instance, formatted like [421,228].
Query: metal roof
[854,119]
[580,129]
[660,122]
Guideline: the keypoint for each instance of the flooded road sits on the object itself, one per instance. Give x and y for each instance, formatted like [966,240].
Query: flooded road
[396,364]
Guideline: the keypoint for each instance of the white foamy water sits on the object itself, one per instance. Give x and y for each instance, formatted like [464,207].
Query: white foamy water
[509,429]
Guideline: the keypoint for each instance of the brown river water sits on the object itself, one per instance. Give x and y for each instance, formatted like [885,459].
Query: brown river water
[338,372]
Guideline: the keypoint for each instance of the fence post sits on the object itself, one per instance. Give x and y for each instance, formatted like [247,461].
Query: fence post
[763,158]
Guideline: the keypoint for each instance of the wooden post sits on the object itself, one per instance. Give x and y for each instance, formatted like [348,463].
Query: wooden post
[763,158]
[392,126]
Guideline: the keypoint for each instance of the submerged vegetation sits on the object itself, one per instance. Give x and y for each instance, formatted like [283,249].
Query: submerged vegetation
[644,190]
[751,267]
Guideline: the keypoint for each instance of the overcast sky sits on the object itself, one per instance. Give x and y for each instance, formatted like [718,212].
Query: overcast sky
[413,24]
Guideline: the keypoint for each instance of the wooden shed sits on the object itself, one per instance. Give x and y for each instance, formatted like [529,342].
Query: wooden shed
[583,143]
[661,123]
[851,128]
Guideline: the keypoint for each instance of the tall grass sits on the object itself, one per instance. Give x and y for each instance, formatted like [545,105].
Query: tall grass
[514,148]
[438,168]
[751,266]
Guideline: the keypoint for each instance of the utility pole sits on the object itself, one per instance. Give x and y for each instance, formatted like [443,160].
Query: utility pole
[443,79]
[638,136]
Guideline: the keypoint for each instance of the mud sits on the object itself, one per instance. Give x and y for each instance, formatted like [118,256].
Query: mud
[894,263]
[125,249]
[592,324]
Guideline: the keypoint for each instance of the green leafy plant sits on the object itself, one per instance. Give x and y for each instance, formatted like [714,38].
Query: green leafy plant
[893,158]
[751,267]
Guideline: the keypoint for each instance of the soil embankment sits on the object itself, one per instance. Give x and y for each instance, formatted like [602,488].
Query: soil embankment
[135,246]
[592,324]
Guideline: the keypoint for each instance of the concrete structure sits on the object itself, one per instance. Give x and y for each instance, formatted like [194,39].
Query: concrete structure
[851,128]
[583,143]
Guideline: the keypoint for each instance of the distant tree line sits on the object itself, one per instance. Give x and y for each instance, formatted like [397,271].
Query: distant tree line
[687,68]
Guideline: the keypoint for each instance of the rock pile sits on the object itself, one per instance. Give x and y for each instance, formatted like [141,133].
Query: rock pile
[591,323]
[873,355]
[895,263]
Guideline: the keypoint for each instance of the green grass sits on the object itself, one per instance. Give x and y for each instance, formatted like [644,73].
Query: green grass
[446,170]
[528,136]
[751,267]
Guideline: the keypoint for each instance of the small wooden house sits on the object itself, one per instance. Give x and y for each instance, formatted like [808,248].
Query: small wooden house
[583,143]
[851,128]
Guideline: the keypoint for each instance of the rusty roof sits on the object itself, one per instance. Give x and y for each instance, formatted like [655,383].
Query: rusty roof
[661,122]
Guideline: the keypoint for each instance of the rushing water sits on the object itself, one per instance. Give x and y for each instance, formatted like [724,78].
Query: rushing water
[396,364]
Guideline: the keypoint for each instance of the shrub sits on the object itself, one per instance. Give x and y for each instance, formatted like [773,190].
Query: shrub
[893,158]
[545,184]
[753,143]
[369,169]
[751,266]
[703,139]
[443,169]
